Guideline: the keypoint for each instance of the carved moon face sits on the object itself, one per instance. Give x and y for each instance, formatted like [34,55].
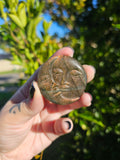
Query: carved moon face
[62,80]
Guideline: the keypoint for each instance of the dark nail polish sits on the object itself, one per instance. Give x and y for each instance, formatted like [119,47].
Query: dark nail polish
[69,124]
[32,91]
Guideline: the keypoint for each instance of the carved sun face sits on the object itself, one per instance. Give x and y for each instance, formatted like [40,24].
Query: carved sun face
[62,80]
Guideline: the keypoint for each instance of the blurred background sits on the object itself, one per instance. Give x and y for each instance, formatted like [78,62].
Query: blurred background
[32,30]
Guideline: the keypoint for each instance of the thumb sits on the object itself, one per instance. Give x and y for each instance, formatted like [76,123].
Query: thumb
[28,108]
[35,100]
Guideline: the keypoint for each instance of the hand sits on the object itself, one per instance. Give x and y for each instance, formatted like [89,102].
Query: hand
[29,124]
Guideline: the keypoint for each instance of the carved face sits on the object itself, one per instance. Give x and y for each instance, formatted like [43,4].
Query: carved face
[62,80]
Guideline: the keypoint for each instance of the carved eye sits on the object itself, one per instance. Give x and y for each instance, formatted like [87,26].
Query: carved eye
[57,71]
[44,78]
[75,73]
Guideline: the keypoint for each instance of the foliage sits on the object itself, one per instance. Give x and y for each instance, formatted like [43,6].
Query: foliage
[94,34]
[19,30]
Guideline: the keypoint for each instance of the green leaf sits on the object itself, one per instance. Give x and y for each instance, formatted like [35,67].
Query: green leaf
[91,119]
[16,59]
[46,38]
[83,125]
[46,26]
[31,29]
[22,14]
[16,20]
[36,65]
[12,5]
[116,26]
[28,55]
[31,3]
[4,15]
[39,6]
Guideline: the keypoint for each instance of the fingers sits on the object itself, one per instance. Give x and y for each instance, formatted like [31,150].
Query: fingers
[63,126]
[24,111]
[90,72]
[84,101]
[67,51]
[54,129]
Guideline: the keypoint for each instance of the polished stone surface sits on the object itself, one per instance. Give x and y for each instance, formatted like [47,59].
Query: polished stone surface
[62,80]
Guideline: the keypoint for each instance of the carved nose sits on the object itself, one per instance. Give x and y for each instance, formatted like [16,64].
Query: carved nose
[65,79]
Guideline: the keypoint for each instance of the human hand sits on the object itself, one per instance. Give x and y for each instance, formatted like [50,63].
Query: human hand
[29,123]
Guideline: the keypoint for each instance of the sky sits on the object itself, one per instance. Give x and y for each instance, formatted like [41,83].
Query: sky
[54,29]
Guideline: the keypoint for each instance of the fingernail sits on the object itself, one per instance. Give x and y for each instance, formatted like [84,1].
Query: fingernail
[68,124]
[32,90]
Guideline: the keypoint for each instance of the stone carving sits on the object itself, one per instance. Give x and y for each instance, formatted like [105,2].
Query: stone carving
[62,80]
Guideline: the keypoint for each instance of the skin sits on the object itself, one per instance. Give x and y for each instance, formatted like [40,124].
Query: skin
[28,126]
